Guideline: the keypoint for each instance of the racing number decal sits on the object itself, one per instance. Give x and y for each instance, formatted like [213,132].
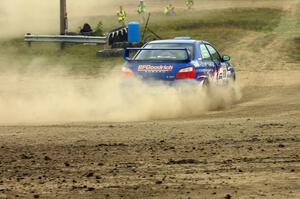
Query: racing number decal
[223,72]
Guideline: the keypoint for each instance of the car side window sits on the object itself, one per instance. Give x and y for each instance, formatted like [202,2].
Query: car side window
[214,53]
[204,53]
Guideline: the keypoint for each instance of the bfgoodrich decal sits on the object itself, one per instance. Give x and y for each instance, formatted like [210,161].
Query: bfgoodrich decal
[149,68]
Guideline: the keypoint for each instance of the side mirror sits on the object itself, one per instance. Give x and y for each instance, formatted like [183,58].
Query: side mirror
[226,58]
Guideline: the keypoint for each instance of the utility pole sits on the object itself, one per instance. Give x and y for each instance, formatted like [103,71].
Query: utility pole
[63,17]
[63,20]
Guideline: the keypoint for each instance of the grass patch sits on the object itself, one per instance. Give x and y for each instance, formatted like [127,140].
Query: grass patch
[259,19]
[222,27]
[75,58]
[262,42]
[295,53]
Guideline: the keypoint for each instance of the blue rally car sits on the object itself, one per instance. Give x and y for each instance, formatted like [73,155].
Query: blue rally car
[181,58]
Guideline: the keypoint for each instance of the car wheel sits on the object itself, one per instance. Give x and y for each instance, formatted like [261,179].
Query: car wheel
[206,86]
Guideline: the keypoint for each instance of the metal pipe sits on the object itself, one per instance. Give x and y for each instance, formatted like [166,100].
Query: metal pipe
[66,39]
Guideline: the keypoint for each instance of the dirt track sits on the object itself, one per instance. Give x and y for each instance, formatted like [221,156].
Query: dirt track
[248,150]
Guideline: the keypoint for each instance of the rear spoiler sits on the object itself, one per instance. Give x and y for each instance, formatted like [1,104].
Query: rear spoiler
[127,54]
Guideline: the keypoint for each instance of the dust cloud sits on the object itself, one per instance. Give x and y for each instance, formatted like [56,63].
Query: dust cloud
[54,96]
[38,94]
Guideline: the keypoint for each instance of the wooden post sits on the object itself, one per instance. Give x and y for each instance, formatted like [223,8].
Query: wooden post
[63,19]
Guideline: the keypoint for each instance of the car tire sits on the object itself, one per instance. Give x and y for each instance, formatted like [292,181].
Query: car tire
[206,86]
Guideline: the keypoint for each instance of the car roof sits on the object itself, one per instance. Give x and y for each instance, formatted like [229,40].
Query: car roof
[178,41]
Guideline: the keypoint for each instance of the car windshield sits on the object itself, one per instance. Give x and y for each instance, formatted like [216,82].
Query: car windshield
[170,54]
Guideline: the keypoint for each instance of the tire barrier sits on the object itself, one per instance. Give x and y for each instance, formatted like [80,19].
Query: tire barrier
[118,35]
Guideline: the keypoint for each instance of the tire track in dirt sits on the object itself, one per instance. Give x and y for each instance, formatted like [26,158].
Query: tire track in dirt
[268,51]
[265,74]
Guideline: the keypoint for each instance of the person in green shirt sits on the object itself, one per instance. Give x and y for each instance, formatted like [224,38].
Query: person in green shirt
[122,16]
[189,3]
[141,10]
[169,10]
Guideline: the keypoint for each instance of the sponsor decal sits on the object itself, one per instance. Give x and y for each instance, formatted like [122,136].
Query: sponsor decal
[149,68]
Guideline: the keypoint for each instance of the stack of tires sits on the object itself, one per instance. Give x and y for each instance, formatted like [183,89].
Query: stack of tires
[119,39]
[118,35]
